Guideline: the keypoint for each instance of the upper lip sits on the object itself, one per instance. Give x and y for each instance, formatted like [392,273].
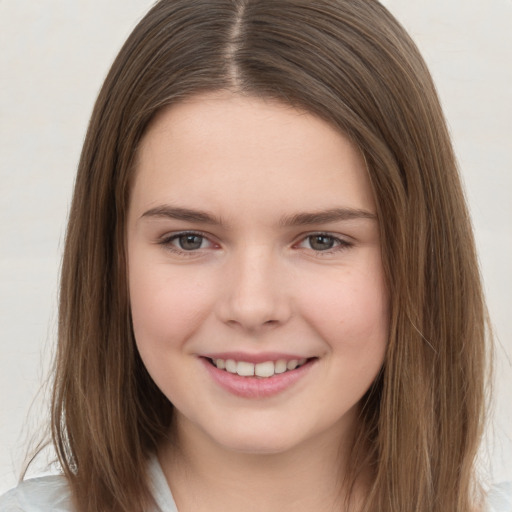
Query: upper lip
[261,357]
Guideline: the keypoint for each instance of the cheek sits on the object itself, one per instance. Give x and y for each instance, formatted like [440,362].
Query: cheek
[165,307]
[351,313]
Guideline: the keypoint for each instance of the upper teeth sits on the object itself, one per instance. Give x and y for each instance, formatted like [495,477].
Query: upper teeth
[266,369]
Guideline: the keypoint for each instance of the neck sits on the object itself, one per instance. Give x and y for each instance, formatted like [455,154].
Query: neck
[204,476]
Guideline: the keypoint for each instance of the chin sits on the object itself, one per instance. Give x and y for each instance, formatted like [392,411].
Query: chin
[256,445]
[257,439]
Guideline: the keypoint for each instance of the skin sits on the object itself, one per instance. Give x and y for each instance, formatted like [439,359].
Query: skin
[255,282]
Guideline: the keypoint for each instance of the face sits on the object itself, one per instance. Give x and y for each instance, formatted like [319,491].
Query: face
[257,293]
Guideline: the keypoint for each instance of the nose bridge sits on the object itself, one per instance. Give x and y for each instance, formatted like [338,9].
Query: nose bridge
[255,295]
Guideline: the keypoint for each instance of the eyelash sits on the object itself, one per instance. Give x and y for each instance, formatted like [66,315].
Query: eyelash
[167,242]
[340,244]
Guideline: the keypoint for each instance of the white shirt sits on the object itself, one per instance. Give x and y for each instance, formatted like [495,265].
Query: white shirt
[51,494]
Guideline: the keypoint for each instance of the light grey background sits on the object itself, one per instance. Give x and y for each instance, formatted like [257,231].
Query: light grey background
[54,55]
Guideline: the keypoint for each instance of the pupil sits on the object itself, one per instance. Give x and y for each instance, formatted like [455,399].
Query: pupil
[321,242]
[190,242]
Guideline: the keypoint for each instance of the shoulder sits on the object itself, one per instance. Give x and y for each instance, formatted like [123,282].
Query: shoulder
[44,494]
[499,498]
[52,493]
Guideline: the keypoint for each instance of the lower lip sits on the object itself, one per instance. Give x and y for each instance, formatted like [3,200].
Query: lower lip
[256,387]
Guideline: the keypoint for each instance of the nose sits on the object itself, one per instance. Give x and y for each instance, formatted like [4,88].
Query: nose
[255,294]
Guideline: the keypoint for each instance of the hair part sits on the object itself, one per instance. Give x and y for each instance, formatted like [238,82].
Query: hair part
[350,63]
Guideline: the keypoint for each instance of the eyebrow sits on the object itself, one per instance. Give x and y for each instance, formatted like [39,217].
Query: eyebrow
[186,214]
[326,216]
[297,219]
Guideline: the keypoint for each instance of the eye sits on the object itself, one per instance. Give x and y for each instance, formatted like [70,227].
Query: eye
[189,241]
[323,242]
[186,242]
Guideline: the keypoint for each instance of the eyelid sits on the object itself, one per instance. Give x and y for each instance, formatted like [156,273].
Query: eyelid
[341,242]
[167,239]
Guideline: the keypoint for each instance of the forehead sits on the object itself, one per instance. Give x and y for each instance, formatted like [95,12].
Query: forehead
[233,151]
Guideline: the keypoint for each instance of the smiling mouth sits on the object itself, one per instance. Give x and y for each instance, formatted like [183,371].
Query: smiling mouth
[263,370]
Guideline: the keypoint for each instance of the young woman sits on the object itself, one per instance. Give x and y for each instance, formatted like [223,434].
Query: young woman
[270,297]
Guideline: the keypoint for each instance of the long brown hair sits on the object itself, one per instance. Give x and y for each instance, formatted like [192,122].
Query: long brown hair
[350,63]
